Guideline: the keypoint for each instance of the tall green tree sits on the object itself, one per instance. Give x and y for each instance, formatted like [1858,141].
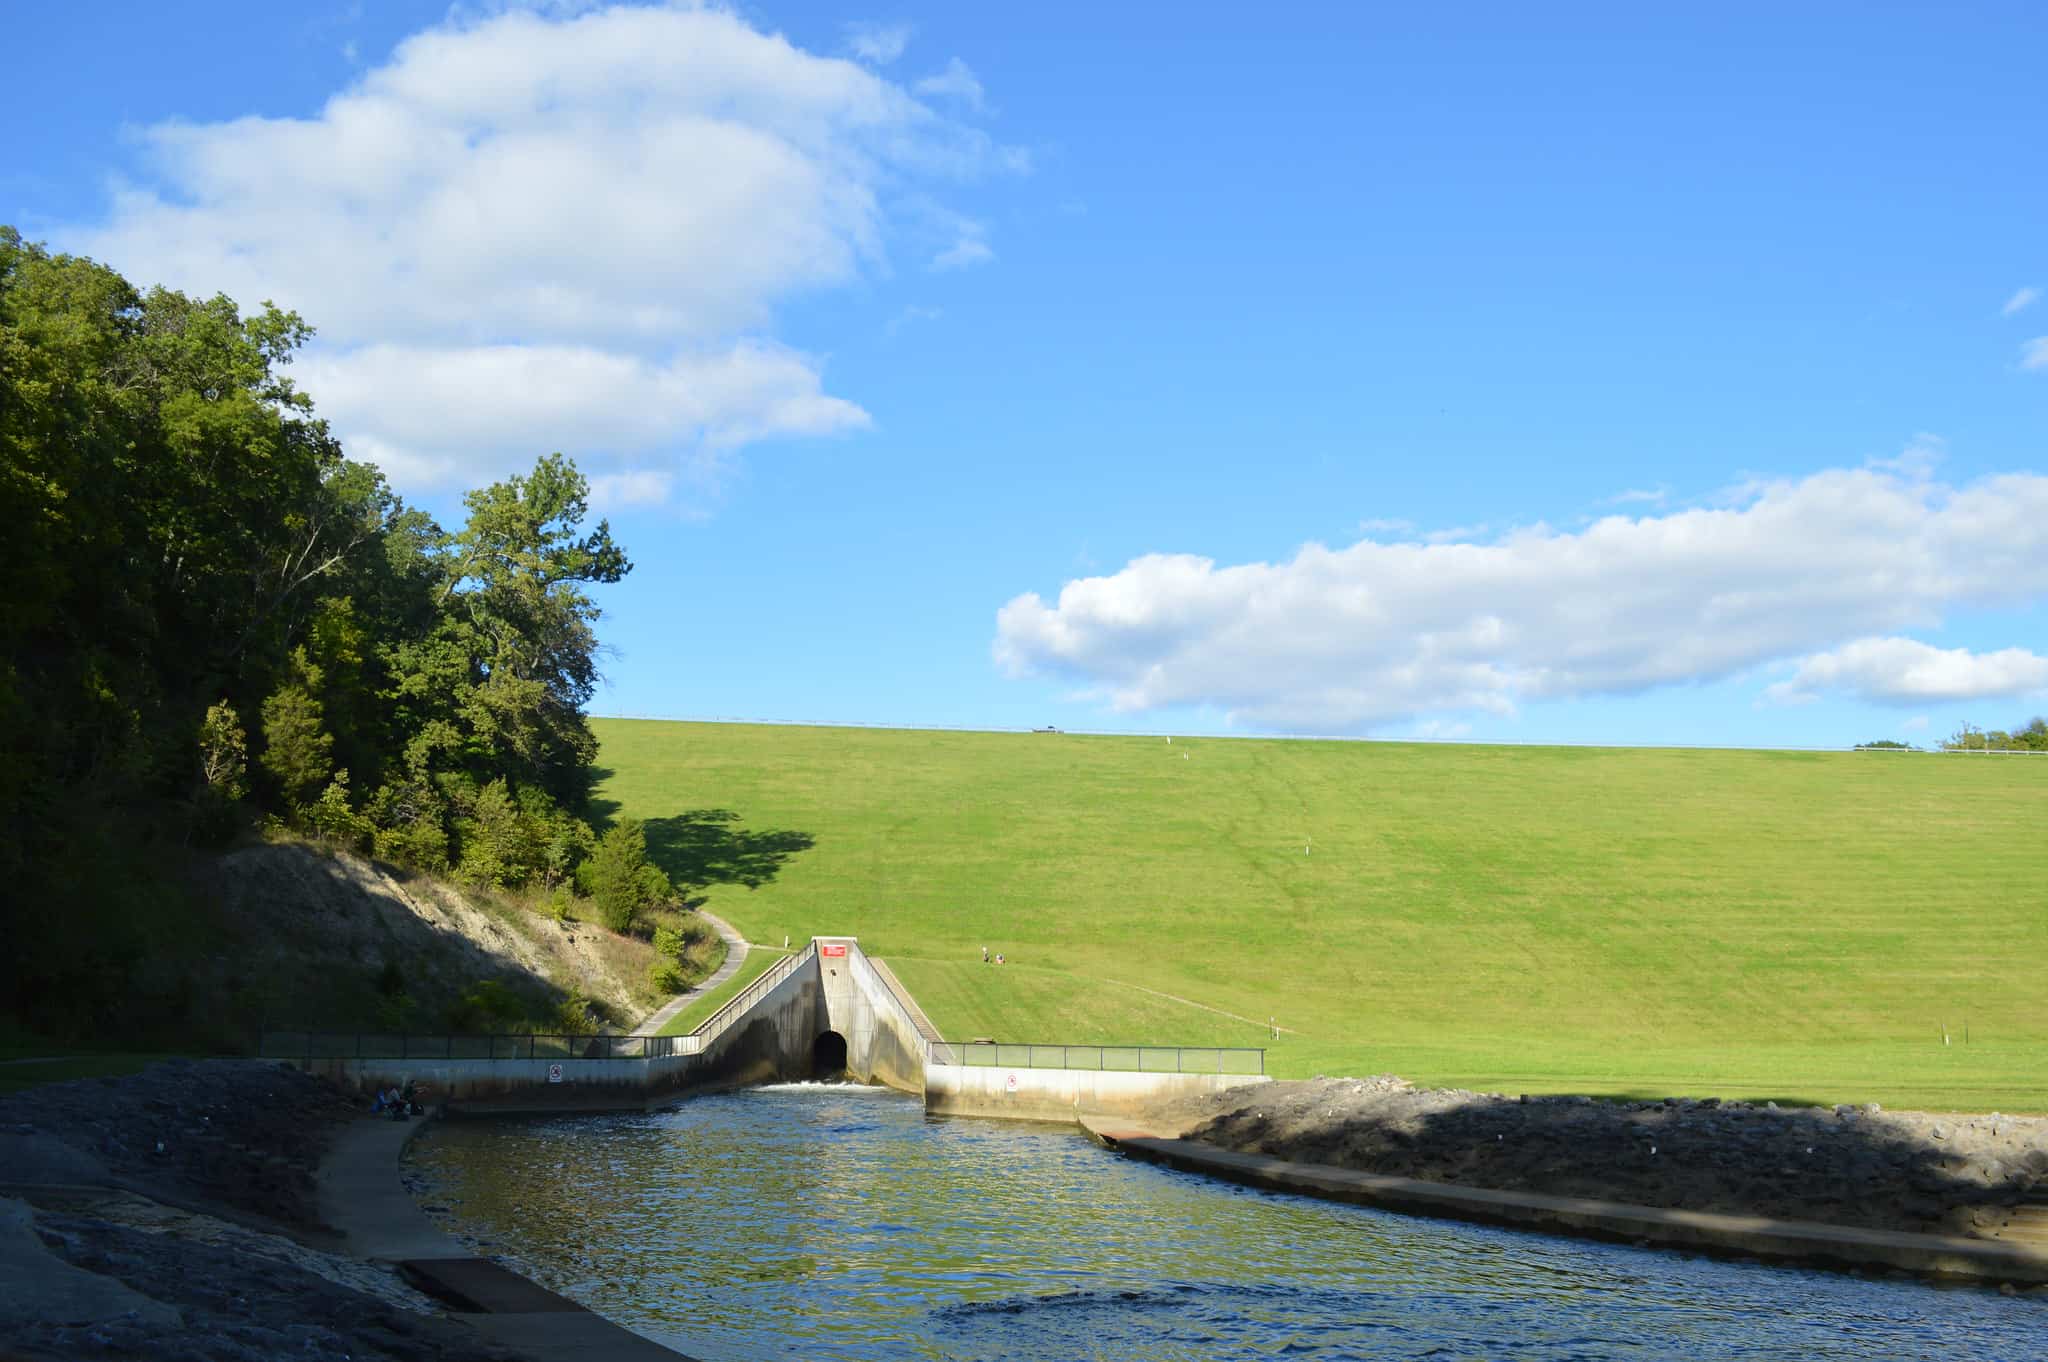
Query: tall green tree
[190,543]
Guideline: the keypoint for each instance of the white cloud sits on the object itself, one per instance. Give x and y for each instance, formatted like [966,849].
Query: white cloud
[956,81]
[2020,301]
[1917,724]
[878,43]
[1386,525]
[1904,671]
[2034,354]
[1918,460]
[435,411]
[1639,496]
[1380,632]
[590,218]
[638,487]
[912,313]
[969,249]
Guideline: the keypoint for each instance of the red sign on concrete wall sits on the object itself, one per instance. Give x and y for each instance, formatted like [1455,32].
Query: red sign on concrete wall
[839,949]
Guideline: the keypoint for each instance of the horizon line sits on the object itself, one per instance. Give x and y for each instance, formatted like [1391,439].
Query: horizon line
[737,720]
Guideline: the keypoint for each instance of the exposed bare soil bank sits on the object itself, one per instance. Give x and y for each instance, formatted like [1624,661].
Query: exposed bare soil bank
[325,926]
[1842,1165]
[170,1214]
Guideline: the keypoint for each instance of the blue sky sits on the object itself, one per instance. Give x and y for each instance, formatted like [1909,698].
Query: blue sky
[1586,374]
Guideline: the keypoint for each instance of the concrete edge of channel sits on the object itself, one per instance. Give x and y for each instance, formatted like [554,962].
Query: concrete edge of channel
[1813,1243]
[363,1197]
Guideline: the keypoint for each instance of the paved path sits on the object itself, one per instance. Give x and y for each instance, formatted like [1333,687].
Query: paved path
[735,956]
[2012,1261]
[361,1196]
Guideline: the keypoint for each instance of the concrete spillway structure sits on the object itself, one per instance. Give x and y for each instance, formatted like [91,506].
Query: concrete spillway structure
[832,1014]
[829,1011]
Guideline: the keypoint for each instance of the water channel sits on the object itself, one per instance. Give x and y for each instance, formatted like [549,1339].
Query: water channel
[842,1222]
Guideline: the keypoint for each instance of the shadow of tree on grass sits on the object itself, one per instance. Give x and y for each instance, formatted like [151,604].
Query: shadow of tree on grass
[702,847]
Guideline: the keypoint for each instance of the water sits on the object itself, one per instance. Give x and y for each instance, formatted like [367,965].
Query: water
[841,1222]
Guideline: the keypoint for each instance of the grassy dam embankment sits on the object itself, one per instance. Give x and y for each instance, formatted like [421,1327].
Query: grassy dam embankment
[1789,925]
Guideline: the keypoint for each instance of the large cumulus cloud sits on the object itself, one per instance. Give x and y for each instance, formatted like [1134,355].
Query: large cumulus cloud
[1390,629]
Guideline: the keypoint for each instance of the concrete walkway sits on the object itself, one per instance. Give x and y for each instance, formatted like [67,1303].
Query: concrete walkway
[1988,1261]
[362,1198]
[735,956]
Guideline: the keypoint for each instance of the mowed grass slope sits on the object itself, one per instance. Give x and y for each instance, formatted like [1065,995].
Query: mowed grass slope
[1792,925]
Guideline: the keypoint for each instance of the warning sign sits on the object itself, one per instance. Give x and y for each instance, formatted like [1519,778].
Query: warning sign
[554,1073]
[839,949]
[1011,1083]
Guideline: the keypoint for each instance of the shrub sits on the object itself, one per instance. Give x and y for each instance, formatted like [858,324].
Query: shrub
[670,943]
[572,1016]
[487,1005]
[665,977]
[332,817]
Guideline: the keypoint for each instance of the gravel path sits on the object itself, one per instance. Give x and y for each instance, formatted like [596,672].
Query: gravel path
[1841,1165]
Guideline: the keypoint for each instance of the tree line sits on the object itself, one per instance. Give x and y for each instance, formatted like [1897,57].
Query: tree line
[2031,736]
[216,617]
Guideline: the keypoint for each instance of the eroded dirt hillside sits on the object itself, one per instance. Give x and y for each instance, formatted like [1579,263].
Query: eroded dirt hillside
[328,939]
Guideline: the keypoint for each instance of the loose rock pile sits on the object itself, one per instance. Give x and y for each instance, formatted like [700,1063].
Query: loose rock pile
[172,1214]
[1842,1165]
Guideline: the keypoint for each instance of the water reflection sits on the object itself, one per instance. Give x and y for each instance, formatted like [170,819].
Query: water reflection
[842,1222]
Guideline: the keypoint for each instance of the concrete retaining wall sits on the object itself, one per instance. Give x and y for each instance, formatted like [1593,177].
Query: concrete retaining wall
[1059,1094]
[882,1041]
[773,1042]
[585,1083]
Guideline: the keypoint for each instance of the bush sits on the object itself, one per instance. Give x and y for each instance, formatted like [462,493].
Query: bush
[333,819]
[487,1006]
[670,943]
[666,978]
[572,1016]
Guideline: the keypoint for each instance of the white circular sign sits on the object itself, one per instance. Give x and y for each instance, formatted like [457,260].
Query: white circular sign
[554,1073]
[1011,1082]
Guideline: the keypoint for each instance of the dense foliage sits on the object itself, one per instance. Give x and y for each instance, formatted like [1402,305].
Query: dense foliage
[2032,736]
[216,614]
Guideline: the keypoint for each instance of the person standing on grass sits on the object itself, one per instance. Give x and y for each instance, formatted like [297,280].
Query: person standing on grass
[984,955]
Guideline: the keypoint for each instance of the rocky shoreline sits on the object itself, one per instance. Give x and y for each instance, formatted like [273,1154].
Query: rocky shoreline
[172,1214]
[1849,1165]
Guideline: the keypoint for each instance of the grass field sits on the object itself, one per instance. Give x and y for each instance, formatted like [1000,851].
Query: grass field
[1747,924]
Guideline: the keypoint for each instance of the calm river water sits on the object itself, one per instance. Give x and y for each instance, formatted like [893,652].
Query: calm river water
[821,1222]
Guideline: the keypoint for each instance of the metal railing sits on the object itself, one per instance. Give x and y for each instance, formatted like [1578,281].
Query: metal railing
[1156,1059]
[716,1024]
[312,1045]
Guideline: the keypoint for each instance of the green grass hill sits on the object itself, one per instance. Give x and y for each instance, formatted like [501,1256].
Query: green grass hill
[1790,925]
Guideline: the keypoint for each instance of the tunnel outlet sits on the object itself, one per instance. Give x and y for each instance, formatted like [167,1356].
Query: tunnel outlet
[828,1056]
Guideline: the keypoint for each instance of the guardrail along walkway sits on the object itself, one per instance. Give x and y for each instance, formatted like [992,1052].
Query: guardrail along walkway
[1151,1059]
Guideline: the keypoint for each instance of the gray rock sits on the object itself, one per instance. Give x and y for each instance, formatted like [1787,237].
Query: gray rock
[32,1159]
[43,1289]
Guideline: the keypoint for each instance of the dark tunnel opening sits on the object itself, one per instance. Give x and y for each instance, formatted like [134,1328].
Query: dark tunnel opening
[828,1056]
